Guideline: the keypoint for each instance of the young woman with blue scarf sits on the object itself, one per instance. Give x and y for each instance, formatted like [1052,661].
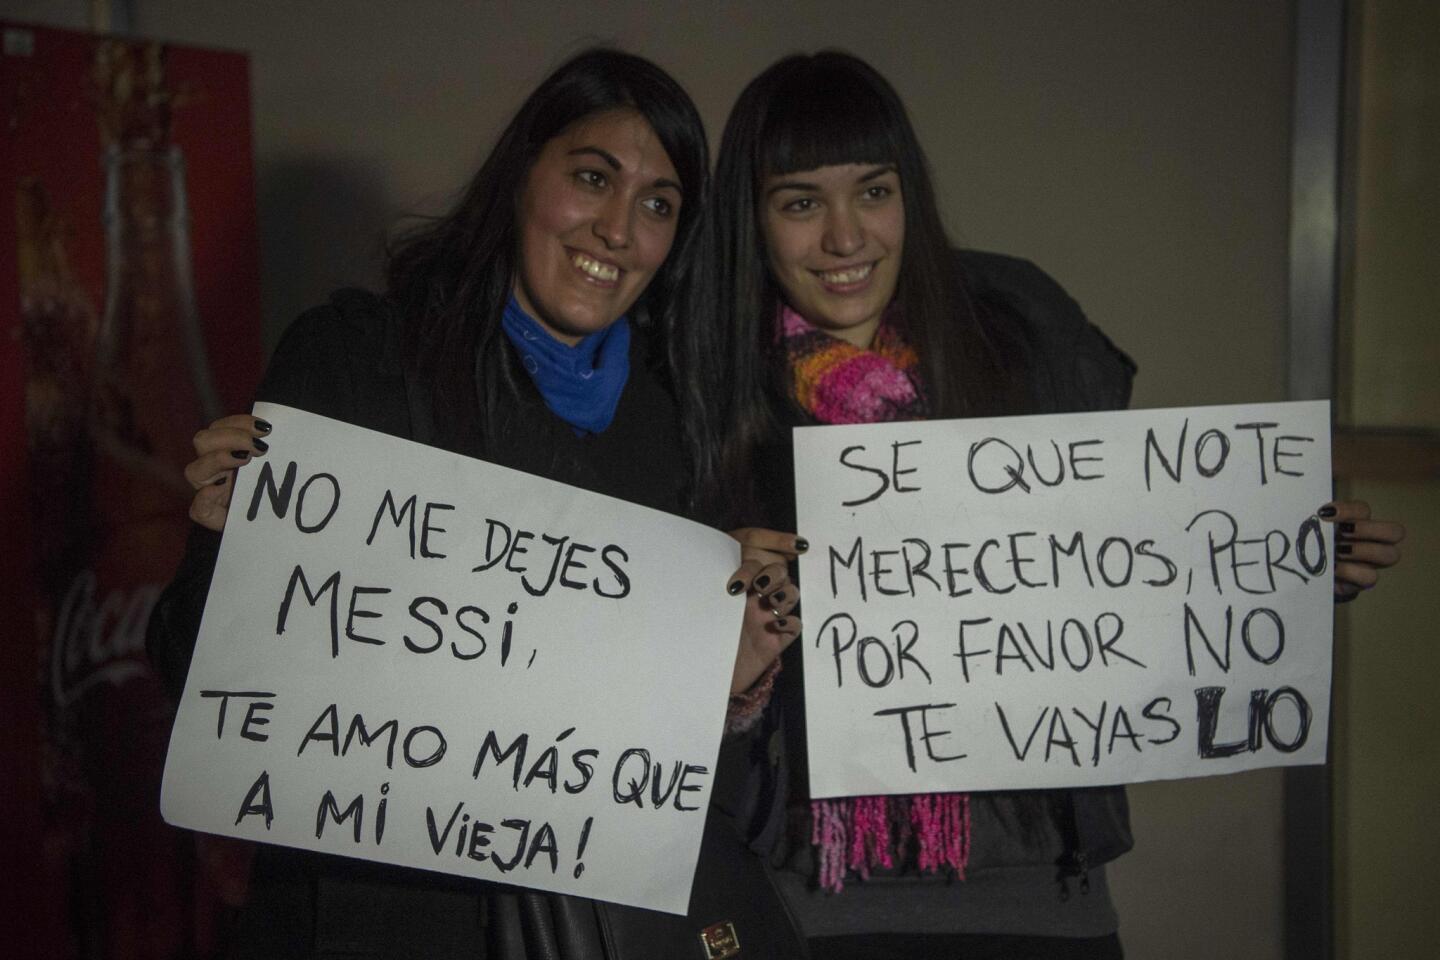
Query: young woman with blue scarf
[534,326]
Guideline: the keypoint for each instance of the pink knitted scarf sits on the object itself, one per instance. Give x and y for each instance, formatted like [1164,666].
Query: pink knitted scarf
[841,383]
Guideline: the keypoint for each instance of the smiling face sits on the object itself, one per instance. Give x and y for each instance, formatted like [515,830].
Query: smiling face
[834,237]
[596,219]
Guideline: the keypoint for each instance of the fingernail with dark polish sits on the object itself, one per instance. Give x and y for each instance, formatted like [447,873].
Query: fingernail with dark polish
[1326,511]
[781,622]
[801,544]
[762,582]
[260,445]
[220,482]
[1346,528]
[735,587]
[1344,549]
[240,454]
[262,425]
[778,596]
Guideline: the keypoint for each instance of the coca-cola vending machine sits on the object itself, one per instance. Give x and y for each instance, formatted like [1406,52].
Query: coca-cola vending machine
[129,294]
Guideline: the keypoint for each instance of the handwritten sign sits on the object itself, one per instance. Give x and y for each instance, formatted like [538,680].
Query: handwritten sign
[413,657]
[1065,600]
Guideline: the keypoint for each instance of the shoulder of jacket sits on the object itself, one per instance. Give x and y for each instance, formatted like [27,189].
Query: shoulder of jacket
[1019,287]
[353,322]
[1085,368]
[349,313]
[999,269]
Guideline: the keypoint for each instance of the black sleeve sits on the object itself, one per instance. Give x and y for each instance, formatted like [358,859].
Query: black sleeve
[311,369]
[175,619]
[1091,372]
[1074,365]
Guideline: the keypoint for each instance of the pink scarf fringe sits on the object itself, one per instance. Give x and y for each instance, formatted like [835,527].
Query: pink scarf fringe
[860,834]
[840,383]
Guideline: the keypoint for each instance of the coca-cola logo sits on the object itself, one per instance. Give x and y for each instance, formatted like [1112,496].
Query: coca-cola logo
[99,640]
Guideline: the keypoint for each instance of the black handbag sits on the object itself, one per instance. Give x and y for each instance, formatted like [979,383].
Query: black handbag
[735,911]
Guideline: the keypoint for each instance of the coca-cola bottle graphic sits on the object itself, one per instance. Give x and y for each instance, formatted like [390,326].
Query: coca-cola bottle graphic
[152,378]
[150,391]
[57,326]
[58,329]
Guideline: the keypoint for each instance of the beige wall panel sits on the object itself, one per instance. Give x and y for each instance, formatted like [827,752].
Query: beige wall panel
[1386,754]
[1387,759]
[1205,879]
[1394,282]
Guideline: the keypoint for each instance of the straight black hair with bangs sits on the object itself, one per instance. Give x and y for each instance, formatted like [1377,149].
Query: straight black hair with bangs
[803,113]
[851,123]
[806,112]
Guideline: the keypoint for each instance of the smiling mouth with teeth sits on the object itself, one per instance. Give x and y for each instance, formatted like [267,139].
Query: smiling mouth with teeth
[845,277]
[604,272]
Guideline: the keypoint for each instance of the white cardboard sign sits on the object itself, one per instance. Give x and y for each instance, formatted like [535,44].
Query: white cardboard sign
[1065,600]
[417,658]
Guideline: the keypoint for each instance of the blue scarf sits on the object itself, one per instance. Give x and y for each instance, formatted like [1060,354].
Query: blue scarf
[580,384]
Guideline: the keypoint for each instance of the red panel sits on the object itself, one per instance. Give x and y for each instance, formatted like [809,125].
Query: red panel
[100,392]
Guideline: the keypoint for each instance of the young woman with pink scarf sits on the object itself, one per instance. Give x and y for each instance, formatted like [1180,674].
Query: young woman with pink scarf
[844,302]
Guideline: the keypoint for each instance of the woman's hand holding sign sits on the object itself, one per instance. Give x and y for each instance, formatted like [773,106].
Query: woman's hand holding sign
[1363,546]
[220,449]
[771,598]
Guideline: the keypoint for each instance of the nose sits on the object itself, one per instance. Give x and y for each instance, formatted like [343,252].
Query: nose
[614,223]
[844,234]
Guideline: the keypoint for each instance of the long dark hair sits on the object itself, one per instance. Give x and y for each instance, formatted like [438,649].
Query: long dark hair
[450,278]
[804,112]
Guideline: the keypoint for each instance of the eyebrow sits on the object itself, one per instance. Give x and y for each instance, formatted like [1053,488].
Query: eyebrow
[605,155]
[614,163]
[879,171]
